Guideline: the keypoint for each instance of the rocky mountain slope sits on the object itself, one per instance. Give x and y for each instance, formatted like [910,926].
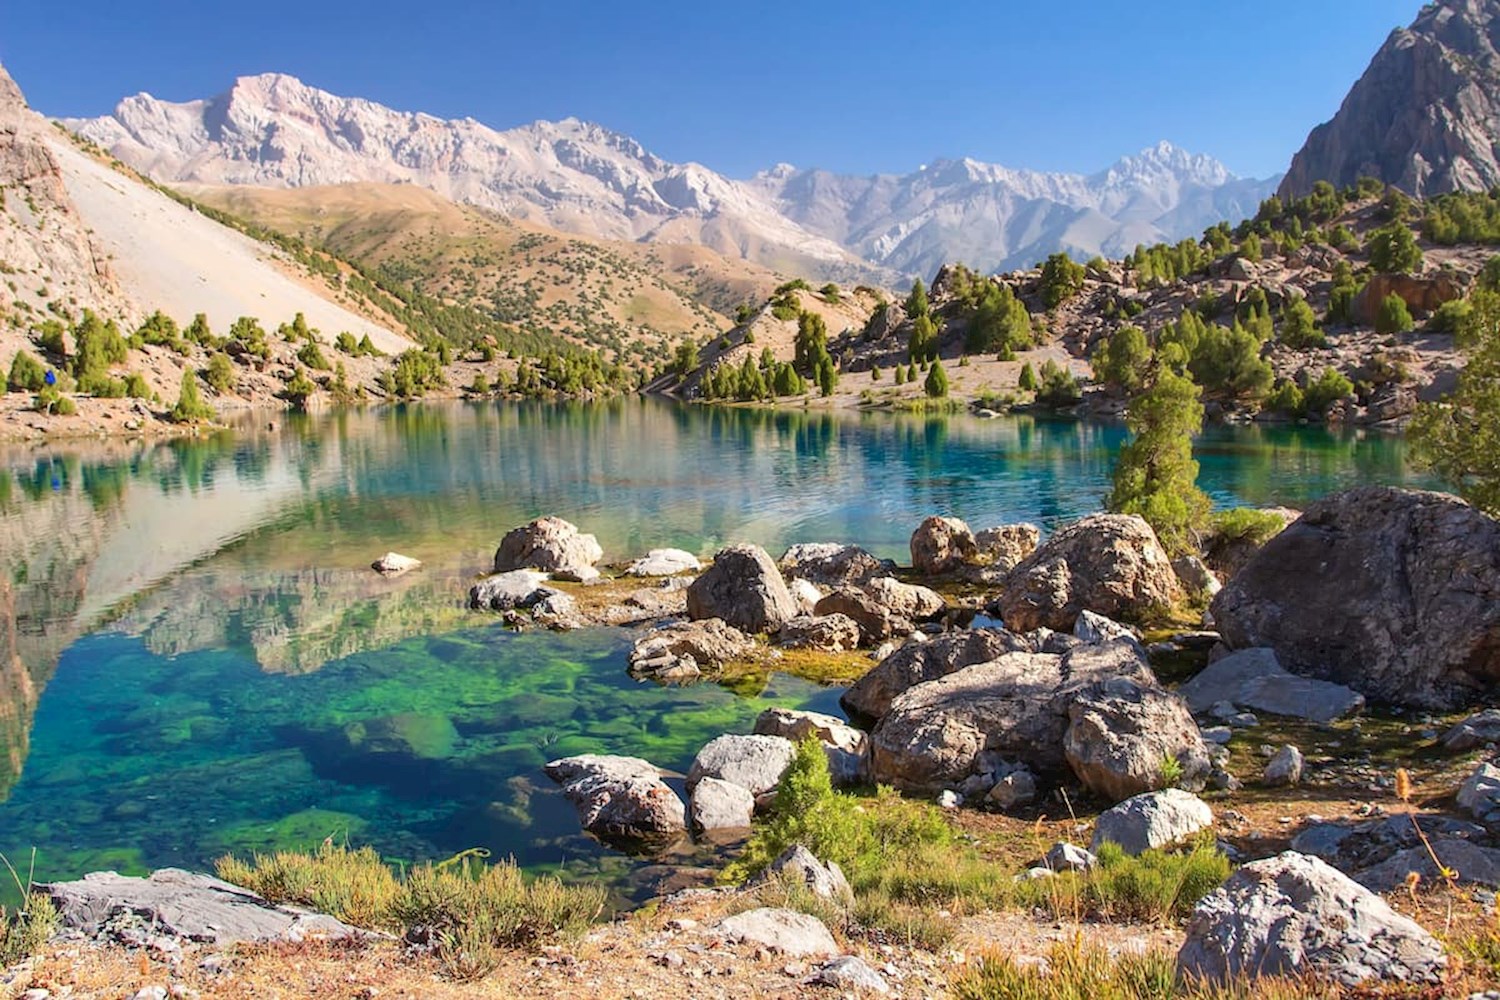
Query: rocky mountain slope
[994,218]
[1424,116]
[274,131]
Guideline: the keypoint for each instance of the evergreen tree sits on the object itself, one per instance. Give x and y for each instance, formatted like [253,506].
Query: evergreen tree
[900,374]
[1122,362]
[26,374]
[1062,278]
[827,377]
[916,302]
[190,408]
[1394,250]
[1156,475]
[1027,380]
[923,344]
[1459,436]
[1299,326]
[937,381]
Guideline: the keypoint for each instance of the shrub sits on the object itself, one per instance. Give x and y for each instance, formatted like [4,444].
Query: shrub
[298,389]
[1027,380]
[1245,524]
[936,385]
[51,337]
[345,342]
[1299,327]
[1327,389]
[1451,317]
[24,931]
[136,387]
[220,373]
[1059,388]
[1393,316]
[199,333]
[1394,250]
[1062,278]
[414,374]
[27,374]
[1286,398]
[830,292]
[311,355]
[1459,436]
[50,400]
[1122,362]
[189,407]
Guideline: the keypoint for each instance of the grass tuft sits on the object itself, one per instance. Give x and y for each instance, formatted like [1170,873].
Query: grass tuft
[470,912]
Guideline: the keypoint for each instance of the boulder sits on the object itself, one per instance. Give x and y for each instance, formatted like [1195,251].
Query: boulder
[394,564]
[827,564]
[1111,564]
[917,662]
[1003,547]
[1479,795]
[744,588]
[1371,851]
[1195,576]
[1285,768]
[1014,790]
[685,649]
[847,748]
[800,866]
[185,905]
[752,762]
[1293,914]
[1065,857]
[827,633]
[1254,678]
[1395,593]
[619,796]
[1015,705]
[1478,730]
[805,595]
[851,974]
[1120,733]
[1422,293]
[551,545]
[884,607]
[787,932]
[941,545]
[1153,819]
[664,562]
[1096,628]
[521,589]
[716,804]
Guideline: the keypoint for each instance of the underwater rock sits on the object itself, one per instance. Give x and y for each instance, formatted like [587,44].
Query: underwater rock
[664,562]
[394,564]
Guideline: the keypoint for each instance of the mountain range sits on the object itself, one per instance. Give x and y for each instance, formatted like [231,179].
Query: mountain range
[273,130]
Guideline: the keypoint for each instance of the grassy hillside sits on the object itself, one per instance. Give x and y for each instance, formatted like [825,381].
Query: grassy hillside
[631,301]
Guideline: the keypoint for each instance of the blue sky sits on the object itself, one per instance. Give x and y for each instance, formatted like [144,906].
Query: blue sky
[852,87]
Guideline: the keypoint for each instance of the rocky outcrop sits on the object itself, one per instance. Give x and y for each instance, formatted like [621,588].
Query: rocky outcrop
[683,650]
[1424,114]
[847,748]
[941,545]
[1479,795]
[1015,705]
[744,588]
[1293,914]
[1395,593]
[1254,679]
[828,633]
[1479,729]
[1421,293]
[1120,734]
[918,662]
[621,797]
[551,545]
[1111,564]
[186,905]
[828,564]
[1152,820]
[884,607]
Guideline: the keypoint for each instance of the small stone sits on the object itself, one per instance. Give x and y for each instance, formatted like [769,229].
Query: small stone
[1063,856]
[1015,789]
[949,799]
[851,972]
[1218,734]
[1285,767]
[1243,720]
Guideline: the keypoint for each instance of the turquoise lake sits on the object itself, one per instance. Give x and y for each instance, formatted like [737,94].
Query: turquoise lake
[196,658]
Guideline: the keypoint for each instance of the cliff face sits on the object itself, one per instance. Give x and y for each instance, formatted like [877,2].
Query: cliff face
[1425,116]
[41,234]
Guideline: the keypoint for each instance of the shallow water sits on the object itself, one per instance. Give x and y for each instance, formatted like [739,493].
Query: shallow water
[195,657]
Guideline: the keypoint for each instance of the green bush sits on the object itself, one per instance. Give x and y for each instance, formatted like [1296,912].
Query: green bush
[1059,387]
[473,912]
[189,407]
[1286,398]
[1393,316]
[27,374]
[1062,278]
[220,373]
[345,342]
[1124,359]
[1156,475]
[1245,524]
[1451,317]
[136,387]
[311,355]
[1327,389]
[1394,250]
[24,931]
[298,389]
[50,400]
[415,373]
[1299,326]
[1027,380]
[936,385]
